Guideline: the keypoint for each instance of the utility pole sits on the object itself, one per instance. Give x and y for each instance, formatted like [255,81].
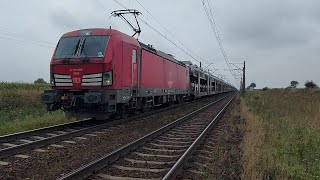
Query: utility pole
[244,77]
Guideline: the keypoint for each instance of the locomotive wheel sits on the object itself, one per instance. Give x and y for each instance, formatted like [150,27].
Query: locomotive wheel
[179,100]
[170,101]
[146,107]
[182,99]
[124,111]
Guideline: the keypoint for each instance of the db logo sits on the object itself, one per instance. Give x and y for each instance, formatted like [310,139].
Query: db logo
[76,80]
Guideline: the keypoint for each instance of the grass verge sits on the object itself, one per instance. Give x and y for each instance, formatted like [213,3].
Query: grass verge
[21,109]
[282,137]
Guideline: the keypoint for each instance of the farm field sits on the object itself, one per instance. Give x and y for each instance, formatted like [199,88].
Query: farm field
[21,109]
[282,134]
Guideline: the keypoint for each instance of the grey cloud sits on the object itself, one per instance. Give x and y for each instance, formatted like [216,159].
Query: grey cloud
[61,18]
[270,24]
[278,39]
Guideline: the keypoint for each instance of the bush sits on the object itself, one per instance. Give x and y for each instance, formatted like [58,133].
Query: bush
[40,81]
[294,84]
[310,84]
[265,89]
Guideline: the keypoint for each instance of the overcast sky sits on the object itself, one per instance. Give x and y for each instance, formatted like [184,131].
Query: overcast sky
[279,40]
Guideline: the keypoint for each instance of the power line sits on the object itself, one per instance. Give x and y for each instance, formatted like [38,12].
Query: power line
[9,33]
[155,18]
[26,42]
[168,39]
[213,25]
[120,4]
[170,32]
[24,39]
[159,33]
[215,30]
[217,34]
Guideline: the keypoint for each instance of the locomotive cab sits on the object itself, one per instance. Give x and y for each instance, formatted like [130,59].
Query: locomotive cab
[91,71]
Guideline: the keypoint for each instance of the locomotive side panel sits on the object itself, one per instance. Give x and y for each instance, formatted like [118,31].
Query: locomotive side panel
[152,71]
[130,62]
[126,65]
[116,59]
[183,75]
[171,75]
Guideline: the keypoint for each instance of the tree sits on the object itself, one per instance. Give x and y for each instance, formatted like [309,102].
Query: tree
[310,84]
[252,85]
[294,84]
[40,81]
[265,89]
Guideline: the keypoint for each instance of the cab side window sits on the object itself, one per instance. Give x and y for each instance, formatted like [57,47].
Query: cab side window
[134,56]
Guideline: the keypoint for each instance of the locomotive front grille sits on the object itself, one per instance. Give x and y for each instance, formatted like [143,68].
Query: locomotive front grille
[92,80]
[62,80]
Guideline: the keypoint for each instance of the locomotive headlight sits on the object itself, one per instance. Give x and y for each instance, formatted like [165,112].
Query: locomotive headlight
[107,78]
[51,79]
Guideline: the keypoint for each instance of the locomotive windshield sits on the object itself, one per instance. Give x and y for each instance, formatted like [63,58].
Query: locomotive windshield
[81,47]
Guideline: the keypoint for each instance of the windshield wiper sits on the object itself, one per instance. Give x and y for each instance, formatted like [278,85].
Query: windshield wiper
[72,52]
[83,50]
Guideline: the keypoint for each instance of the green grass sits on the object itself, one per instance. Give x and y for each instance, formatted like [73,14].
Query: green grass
[286,126]
[21,108]
[5,86]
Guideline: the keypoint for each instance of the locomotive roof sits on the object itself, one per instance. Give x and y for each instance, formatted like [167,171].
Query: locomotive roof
[160,53]
[104,31]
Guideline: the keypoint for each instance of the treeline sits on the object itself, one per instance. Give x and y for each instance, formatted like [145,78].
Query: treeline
[307,84]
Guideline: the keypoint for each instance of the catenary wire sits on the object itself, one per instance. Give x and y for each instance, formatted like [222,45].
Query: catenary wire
[26,42]
[173,36]
[213,25]
[159,33]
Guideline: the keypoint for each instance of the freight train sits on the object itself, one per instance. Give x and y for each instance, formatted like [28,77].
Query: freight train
[98,73]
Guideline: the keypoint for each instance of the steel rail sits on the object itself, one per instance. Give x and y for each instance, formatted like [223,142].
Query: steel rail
[174,172]
[25,134]
[51,140]
[94,166]
[60,137]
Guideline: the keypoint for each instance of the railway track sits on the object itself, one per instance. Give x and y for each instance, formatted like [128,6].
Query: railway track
[160,154]
[19,142]
[209,151]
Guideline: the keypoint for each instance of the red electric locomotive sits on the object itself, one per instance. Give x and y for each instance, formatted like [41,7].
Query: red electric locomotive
[96,73]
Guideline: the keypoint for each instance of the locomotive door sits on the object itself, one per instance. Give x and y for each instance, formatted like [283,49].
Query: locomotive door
[135,61]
